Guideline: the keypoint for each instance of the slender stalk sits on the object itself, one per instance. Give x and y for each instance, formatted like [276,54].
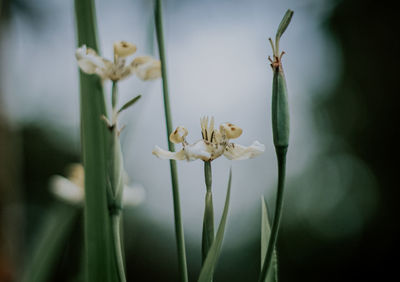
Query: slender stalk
[208,221]
[116,236]
[116,183]
[281,158]
[174,175]
[114,99]
[280,132]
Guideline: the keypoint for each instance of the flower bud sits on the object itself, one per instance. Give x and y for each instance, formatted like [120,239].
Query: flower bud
[178,136]
[280,108]
[123,49]
[231,131]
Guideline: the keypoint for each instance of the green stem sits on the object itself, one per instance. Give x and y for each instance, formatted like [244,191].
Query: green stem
[116,182]
[281,158]
[116,236]
[208,221]
[114,101]
[174,175]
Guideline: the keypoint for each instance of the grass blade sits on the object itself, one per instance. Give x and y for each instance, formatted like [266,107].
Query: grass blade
[56,228]
[207,271]
[272,276]
[129,103]
[93,137]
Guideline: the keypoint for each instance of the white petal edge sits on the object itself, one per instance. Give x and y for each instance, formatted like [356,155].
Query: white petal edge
[163,154]
[196,151]
[89,62]
[66,190]
[239,152]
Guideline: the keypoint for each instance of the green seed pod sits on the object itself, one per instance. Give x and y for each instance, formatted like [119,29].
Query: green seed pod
[280,108]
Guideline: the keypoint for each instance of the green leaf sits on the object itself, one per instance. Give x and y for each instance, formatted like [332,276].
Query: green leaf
[272,275]
[208,226]
[129,103]
[94,150]
[51,239]
[207,271]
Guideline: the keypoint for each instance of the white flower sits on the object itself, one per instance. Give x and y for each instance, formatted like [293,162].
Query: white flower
[145,67]
[71,189]
[213,144]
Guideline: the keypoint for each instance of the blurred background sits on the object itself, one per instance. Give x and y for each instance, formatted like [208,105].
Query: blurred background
[340,218]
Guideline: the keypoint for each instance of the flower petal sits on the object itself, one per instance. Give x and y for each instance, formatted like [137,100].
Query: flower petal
[122,73]
[178,135]
[232,131]
[88,60]
[239,152]
[66,190]
[198,150]
[133,195]
[123,49]
[163,154]
[76,174]
[146,67]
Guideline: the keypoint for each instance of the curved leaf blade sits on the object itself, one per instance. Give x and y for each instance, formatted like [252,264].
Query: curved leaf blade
[272,275]
[129,103]
[53,234]
[207,271]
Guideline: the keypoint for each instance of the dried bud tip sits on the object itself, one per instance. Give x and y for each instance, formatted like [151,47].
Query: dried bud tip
[284,24]
[178,135]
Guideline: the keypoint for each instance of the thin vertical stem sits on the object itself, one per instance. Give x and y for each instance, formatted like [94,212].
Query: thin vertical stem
[114,101]
[208,221]
[114,95]
[174,175]
[115,172]
[117,245]
[281,158]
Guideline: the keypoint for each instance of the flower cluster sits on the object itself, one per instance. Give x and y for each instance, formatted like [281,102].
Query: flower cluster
[145,67]
[214,143]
